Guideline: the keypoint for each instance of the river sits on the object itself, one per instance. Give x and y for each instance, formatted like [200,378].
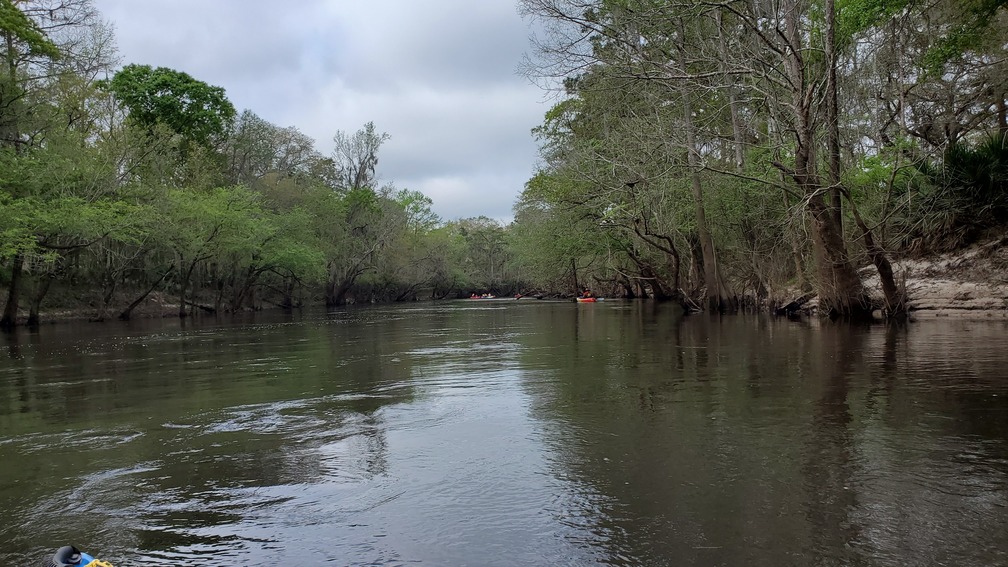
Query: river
[508,432]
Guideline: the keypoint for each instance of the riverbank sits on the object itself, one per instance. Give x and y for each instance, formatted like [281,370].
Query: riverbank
[971,283]
[967,283]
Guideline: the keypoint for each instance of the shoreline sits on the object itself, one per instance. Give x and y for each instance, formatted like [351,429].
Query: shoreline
[971,283]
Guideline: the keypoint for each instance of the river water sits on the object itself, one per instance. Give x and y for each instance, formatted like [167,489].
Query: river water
[506,433]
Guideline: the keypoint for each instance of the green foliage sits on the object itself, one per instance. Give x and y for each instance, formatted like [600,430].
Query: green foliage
[177,195]
[856,16]
[20,28]
[967,32]
[942,205]
[17,217]
[199,112]
[417,206]
[975,180]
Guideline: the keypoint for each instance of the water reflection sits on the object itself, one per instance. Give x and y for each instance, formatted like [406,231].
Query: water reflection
[751,441]
[504,433]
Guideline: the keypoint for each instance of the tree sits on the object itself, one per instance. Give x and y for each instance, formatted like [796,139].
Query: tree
[420,218]
[782,65]
[255,148]
[49,52]
[551,246]
[355,157]
[24,42]
[200,113]
[487,255]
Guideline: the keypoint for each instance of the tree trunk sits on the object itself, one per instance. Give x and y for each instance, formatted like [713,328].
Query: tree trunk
[717,298]
[671,252]
[221,285]
[696,263]
[339,293]
[732,100]
[184,285]
[641,289]
[288,293]
[330,290]
[111,283]
[841,292]
[832,115]
[574,277]
[628,290]
[9,319]
[895,298]
[36,301]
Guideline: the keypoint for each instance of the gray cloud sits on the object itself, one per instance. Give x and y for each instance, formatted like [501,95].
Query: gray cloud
[438,76]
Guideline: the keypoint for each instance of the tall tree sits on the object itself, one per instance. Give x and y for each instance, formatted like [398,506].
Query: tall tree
[355,157]
[45,47]
[193,109]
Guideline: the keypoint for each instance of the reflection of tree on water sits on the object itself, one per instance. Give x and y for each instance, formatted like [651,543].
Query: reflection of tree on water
[937,395]
[646,421]
[831,458]
[761,442]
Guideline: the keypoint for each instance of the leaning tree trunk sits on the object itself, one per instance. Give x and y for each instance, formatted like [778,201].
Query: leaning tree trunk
[895,296]
[184,285]
[127,313]
[841,291]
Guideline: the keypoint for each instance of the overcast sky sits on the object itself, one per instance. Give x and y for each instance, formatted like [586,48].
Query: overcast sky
[439,76]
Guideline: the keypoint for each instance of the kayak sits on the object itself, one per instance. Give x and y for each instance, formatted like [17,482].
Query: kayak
[587,299]
[70,556]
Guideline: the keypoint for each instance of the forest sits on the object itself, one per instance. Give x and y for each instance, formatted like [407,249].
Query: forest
[726,155]
[733,154]
[118,185]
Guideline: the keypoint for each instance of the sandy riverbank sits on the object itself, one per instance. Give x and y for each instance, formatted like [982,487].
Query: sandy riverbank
[972,282]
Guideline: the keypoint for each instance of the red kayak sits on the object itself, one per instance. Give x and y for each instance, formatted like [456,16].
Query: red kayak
[586,299]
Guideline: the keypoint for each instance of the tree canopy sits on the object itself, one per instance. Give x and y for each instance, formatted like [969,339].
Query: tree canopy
[195,110]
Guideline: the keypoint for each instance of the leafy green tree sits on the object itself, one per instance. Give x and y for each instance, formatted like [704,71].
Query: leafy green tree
[50,52]
[804,85]
[57,203]
[406,266]
[23,40]
[210,226]
[550,246]
[487,257]
[420,218]
[193,109]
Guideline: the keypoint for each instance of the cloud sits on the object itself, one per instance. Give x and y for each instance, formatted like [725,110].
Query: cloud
[439,77]
[460,195]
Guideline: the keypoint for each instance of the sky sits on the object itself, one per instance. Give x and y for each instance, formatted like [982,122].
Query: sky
[439,76]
